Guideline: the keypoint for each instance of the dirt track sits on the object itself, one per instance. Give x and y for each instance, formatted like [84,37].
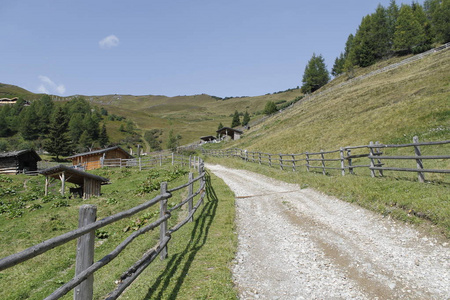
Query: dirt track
[300,244]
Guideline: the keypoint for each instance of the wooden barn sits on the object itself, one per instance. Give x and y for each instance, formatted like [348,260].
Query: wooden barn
[16,162]
[93,160]
[88,184]
[227,132]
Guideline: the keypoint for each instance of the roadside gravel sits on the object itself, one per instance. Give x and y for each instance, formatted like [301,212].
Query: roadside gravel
[300,244]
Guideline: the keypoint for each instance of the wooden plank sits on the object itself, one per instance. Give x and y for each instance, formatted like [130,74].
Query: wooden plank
[163,226]
[411,170]
[85,253]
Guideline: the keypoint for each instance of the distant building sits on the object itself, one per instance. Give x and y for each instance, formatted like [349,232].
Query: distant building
[227,132]
[93,159]
[17,162]
[207,139]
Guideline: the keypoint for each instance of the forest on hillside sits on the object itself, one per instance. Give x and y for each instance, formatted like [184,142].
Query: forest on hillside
[395,30]
[389,31]
[58,127]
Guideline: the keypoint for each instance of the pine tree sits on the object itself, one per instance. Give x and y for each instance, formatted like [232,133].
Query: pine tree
[58,142]
[392,15]
[438,12]
[220,126]
[408,31]
[76,127]
[236,121]
[338,67]
[103,139]
[380,32]
[316,74]
[246,119]
[29,125]
[363,50]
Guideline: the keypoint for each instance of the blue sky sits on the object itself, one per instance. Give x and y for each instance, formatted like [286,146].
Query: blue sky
[171,47]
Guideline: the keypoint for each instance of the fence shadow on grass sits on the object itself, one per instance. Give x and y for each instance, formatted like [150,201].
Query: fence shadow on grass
[178,266]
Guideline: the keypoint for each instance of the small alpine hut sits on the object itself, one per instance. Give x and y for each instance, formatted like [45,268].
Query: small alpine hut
[88,184]
[232,133]
[94,159]
[207,139]
[16,162]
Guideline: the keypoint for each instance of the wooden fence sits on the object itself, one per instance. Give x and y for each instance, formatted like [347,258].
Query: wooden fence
[83,281]
[345,159]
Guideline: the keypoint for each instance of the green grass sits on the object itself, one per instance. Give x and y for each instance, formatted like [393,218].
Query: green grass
[203,249]
[426,205]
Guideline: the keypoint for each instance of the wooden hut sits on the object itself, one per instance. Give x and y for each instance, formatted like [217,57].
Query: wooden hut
[16,162]
[232,133]
[94,159]
[207,139]
[88,184]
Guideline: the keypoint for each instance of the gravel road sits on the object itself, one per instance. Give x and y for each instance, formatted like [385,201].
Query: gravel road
[300,244]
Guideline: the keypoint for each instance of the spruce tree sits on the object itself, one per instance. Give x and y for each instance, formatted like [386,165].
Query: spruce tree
[409,33]
[246,119]
[236,121]
[338,67]
[380,32]
[363,50]
[58,142]
[316,74]
[103,139]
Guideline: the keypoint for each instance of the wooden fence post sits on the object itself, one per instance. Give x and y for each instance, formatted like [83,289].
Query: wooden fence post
[259,154]
[173,158]
[421,175]
[85,253]
[350,168]
[190,193]
[160,160]
[140,165]
[163,226]
[307,161]
[190,161]
[379,164]
[270,160]
[324,172]
[372,162]
[281,161]
[341,153]
[293,163]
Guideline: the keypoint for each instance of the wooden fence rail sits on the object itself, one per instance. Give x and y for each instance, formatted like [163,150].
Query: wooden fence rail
[82,282]
[344,159]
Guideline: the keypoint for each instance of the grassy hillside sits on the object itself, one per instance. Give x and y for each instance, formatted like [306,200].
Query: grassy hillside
[191,116]
[390,107]
[204,248]
[10,91]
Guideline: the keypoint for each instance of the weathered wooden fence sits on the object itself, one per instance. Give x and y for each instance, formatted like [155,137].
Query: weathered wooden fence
[345,159]
[83,281]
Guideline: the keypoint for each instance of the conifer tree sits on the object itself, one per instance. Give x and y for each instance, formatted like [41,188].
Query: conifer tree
[246,119]
[236,121]
[338,67]
[58,142]
[316,74]
[409,33]
[380,32]
[103,138]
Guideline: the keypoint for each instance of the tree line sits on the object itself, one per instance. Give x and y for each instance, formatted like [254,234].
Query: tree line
[61,128]
[389,31]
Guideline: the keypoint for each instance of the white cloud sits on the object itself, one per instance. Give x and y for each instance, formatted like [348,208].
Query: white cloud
[109,42]
[48,86]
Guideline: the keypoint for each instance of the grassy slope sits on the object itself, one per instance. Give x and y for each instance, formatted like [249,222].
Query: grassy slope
[204,247]
[390,107]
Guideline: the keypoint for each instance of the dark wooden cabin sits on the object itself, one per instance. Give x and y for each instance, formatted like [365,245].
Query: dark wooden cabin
[93,159]
[88,184]
[17,162]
